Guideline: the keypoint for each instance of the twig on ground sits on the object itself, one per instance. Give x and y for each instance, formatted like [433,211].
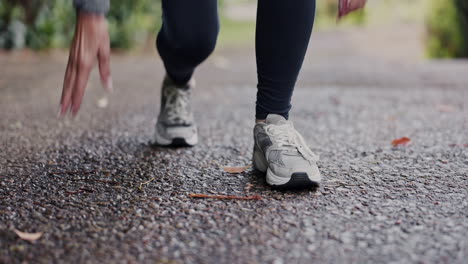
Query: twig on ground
[334,181]
[337,183]
[81,190]
[217,163]
[458,145]
[96,180]
[8,165]
[75,192]
[72,172]
[146,182]
[230,197]
[85,180]
[247,187]
[87,190]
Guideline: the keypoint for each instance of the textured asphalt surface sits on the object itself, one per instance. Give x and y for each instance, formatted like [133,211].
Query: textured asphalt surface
[100,193]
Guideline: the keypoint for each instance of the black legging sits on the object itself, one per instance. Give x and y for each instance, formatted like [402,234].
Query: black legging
[189,32]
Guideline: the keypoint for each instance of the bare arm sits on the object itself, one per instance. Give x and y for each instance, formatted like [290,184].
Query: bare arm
[90,45]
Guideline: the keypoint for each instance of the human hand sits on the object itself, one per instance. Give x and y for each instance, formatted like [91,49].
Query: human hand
[347,6]
[91,44]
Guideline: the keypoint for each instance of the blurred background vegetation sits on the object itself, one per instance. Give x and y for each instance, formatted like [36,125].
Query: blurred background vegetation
[47,24]
[447,29]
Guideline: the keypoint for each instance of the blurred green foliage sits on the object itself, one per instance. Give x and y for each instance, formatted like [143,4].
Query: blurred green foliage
[447,29]
[132,21]
[44,24]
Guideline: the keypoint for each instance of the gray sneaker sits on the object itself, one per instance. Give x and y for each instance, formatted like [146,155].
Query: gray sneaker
[282,153]
[175,125]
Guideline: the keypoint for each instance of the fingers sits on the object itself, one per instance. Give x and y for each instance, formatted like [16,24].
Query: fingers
[91,41]
[74,85]
[350,6]
[342,7]
[82,77]
[104,66]
[355,4]
[68,85]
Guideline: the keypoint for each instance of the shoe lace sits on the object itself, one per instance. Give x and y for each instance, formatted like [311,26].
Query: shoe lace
[287,138]
[177,104]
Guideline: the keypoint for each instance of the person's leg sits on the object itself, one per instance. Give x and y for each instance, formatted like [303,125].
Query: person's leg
[283,32]
[188,36]
[282,36]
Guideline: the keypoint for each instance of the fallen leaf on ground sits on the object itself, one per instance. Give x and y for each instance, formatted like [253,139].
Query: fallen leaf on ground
[233,169]
[458,145]
[231,197]
[236,169]
[28,236]
[401,141]
[446,108]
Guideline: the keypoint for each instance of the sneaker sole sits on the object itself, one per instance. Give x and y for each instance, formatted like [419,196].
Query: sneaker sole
[298,180]
[175,142]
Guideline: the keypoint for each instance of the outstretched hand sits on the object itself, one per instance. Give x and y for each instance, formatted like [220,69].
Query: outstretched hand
[347,6]
[90,45]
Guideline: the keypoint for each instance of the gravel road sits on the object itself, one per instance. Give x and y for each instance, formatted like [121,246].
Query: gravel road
[100,192]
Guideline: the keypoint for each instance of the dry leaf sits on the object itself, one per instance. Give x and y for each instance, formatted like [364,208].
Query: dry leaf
[334,100]
[233,170]
[236,169]
[28,236]
[458,145]
[232,197]
[446,108]
[401,141]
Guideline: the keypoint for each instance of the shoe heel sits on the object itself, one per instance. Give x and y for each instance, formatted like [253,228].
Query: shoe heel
[258,160]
